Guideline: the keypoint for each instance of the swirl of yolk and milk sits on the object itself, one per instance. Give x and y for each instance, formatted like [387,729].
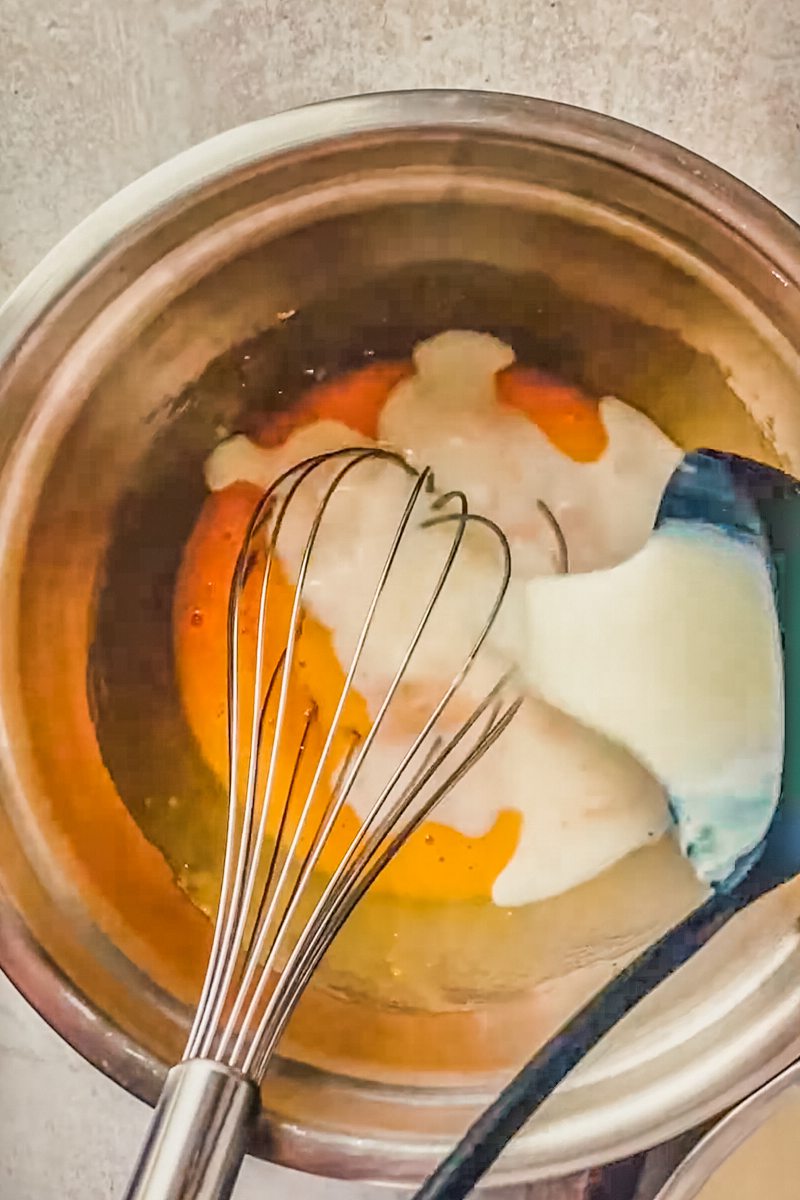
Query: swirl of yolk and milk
[555,802]
[513,440]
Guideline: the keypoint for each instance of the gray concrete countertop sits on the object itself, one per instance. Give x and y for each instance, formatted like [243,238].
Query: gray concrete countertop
[94,92]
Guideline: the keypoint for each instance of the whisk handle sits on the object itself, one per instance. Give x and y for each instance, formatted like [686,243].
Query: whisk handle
[198,1135]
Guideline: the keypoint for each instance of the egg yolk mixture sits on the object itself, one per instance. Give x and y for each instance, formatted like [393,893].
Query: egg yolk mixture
[410,405]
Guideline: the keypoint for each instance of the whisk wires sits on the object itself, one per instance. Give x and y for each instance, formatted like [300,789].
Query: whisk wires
[266,945]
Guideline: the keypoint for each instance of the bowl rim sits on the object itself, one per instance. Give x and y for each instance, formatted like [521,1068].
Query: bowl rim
[550,122]
[732,203]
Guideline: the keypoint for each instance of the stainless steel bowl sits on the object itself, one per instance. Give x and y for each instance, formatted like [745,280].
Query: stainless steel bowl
[608,253]
[732,1133]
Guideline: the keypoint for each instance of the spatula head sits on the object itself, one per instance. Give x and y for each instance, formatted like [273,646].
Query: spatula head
[759,506]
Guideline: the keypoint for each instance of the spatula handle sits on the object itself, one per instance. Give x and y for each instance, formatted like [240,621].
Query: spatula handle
[457,1174]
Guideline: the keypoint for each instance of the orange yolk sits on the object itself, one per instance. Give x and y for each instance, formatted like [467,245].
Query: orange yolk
[570,419]
[355,399]
[437,863]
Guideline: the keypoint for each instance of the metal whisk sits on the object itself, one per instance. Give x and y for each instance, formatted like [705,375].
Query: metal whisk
[274,923]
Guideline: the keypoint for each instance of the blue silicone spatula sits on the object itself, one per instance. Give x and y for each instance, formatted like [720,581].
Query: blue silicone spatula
[759,507]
